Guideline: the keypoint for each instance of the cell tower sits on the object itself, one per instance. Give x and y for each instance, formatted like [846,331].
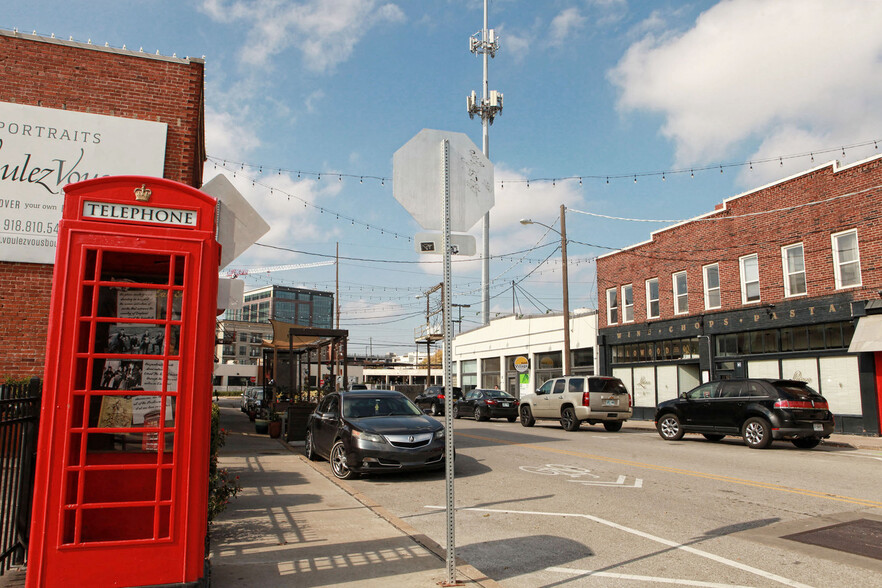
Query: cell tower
[485,43]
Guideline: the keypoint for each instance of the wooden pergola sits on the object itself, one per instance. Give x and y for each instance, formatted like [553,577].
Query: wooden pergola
[298,342]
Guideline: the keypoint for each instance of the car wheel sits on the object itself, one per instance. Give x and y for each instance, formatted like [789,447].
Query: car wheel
[806,442]
[512,419]
[481,414]
[568,419]
[455,411]
[338,462]
[669,428]
[527,419]
[612,426]
[757,433]
[436,409]
[309,447]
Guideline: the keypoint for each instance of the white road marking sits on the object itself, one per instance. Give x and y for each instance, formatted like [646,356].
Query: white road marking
[653,579]
[555,469]
[667,542]
[620,483]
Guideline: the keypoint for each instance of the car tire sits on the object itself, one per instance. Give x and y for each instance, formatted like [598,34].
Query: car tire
[713,436]
[309,447]
[669,427]
[481,414]
[527,419]
[338,462]
[806,442]
[512,419]
[568,419]
[436,409]
[757,433]
[612,426]
[456,414]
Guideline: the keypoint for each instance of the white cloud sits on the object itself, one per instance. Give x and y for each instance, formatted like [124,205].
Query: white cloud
[789,74]
[227,136]
[564,25]
[324,31]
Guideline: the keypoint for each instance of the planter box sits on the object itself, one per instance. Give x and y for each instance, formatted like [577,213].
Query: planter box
[298,414]
[261,426]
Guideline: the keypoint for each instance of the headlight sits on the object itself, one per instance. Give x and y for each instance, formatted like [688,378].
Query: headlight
[367,436]
[439,434]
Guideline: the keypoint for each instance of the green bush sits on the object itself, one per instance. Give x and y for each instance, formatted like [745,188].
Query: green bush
[222,486]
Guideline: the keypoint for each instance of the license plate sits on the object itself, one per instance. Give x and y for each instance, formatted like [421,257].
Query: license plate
[818,427]
[505,405]
[611,402]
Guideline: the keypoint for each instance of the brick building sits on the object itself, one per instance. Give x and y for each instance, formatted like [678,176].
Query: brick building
[772,283]
[149,114]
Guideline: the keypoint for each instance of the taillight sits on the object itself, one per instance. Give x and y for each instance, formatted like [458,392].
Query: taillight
[818,404]
[629,401]
[440,397]
[491,403]
[586,398]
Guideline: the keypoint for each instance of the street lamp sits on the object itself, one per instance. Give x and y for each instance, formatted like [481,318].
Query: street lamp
[566,287]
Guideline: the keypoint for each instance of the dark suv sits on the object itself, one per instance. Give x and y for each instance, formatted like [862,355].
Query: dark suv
[433,399]
[759,410]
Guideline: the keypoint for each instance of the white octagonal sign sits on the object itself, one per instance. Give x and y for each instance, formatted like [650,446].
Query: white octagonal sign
[418,180]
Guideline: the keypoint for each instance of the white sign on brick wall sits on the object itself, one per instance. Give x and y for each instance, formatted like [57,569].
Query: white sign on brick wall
[44,149]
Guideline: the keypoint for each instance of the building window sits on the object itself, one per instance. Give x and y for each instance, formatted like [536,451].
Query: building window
[846,259]
[712,287]
[652,309]
[627,304]
[750,286]
[793,259]
[681,294]
[612,306]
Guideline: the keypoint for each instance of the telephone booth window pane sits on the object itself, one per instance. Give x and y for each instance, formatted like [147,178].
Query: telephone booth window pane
[120,460]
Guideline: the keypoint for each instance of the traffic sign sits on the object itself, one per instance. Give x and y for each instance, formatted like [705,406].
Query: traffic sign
[418,180]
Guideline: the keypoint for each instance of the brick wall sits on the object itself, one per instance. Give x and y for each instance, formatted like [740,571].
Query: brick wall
[51,73]
[856,194]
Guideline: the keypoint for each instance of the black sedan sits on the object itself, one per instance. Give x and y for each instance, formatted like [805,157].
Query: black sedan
[432,399]
[758,410]
[484,405]
[370,431]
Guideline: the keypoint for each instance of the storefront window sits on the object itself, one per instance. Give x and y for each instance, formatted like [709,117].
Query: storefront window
[469,374]
[490,377]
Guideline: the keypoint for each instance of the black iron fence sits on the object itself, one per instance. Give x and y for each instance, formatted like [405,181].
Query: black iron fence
[19,420]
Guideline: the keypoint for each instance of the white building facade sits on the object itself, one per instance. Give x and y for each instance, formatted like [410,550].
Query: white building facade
[519,353]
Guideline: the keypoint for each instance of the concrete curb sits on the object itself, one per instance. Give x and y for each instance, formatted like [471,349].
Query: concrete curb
[473,574]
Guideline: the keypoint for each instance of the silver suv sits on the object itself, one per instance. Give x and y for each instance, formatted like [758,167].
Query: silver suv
[574,399]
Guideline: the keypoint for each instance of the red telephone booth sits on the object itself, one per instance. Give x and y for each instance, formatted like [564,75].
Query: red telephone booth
[122,472]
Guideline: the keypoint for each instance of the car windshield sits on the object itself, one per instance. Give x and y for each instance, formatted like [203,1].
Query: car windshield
[606,385]
[499,394]
[371,406]
[796,391]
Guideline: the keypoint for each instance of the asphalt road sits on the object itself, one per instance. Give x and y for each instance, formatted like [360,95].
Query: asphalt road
[544,507]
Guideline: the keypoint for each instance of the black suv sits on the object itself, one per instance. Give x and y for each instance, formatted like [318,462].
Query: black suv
[433,399]
[759,410]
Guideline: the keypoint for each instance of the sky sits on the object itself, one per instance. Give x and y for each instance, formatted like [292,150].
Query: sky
[632,114]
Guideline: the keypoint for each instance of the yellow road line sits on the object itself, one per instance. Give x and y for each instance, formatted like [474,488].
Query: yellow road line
[658,468]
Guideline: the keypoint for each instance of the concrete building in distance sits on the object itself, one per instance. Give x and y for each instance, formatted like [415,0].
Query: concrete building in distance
[298,306]
[778,282]
[518,353]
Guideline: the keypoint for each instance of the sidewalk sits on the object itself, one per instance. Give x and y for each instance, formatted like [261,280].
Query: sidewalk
[292,525]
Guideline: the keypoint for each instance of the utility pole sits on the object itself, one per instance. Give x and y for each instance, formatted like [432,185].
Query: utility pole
[486,43]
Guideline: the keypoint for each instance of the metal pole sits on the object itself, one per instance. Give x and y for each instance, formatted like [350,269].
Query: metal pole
[566,290]
[485,232]
[448,389]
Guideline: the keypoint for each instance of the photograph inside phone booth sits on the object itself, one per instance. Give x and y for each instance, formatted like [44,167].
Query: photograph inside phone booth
[133,320]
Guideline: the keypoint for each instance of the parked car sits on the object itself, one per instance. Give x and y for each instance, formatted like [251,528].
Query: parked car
[484,405]
[373,431]
[252,399]
[432,399]
[573,400]
[358,387]
[758,410]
